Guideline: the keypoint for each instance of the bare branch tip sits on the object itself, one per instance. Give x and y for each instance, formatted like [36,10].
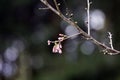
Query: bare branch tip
[90,3]
[76,22]
[85,8]
[58,4]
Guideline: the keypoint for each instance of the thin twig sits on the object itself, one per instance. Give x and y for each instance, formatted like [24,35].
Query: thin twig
[65,37]
[88,16]
[110,38]
[72,35]
[83,34]
[56,4]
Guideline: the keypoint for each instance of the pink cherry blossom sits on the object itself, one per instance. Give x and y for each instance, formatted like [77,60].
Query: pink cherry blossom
[57,48]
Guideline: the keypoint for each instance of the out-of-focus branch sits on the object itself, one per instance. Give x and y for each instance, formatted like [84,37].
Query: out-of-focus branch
[107,49]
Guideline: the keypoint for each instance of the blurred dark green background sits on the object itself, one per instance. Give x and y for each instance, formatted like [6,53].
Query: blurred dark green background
[24,31]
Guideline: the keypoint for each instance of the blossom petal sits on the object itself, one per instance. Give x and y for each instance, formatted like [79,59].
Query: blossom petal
[48,42]
[60,51]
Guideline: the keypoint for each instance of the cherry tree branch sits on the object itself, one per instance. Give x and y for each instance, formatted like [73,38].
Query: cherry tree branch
[86,36]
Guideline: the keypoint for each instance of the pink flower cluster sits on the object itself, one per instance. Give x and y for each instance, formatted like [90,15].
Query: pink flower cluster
[57,48]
